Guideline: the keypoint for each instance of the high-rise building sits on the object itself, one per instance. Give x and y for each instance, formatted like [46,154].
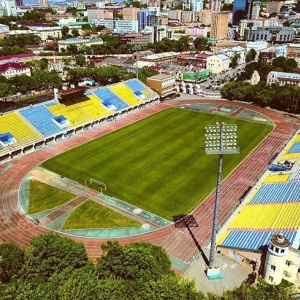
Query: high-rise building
[146,17]
[255,10]
[44,3]
[215,5]
[274,7]
[219,25]
[95,14]
[205,16]
[11,8]
[240,11]
[19,2]
[130,13]
[197,5]
[154,3]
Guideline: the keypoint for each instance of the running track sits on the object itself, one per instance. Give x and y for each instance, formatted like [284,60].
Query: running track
[16,228]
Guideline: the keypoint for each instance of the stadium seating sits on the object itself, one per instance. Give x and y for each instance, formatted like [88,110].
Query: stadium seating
[135,85]
[110,100]
[19,128]
[278,193]
[72,112]
[276,178]
[296,173]
[126,94]
[251,239]
[279,216]
[139,89]
[93,106]
[42,119]
[293,151]
[295,148]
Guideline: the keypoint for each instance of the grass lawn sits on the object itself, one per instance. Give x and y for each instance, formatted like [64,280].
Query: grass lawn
[159,163]
[91,214]
[43,197]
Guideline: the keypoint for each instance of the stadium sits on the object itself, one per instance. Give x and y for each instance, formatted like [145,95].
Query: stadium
[34,135]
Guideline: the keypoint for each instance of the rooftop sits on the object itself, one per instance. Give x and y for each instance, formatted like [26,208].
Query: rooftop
[12,65]
[223,56]
[285,75]
[23,55]
[160,76]
[280,240]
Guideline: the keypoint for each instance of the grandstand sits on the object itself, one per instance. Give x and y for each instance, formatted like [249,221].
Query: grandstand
[31,128]
[20,129]
[272,207]
[110,99]
[42,119]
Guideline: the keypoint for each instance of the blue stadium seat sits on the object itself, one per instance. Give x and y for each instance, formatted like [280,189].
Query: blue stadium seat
[135,85]
[42,119]
[295,148]
[253,240]
[110,100]
[296,173]
[277,193]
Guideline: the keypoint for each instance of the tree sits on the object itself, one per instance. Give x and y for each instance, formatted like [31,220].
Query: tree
[201,44]
[5,91]
[49,253]
[11,261]
[21,83]
[75,32]
[137,261]
[170,287]
[234,60]
[250,55]
[39,64]
[80,60]
[64,32]
[72,10]
[72,49]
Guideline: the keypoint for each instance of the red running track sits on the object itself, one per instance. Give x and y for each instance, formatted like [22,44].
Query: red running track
[15,227]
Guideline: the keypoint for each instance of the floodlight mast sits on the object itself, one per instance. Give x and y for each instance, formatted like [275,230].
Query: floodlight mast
[220,139]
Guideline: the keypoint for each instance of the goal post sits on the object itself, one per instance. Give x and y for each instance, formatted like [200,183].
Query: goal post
[101,184]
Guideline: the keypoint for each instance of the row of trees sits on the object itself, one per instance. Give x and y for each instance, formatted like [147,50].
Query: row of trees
[58,268]
[106,75]
[40,80]
[112,46]
[285,98]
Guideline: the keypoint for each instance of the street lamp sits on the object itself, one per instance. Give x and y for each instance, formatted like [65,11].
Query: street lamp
[220,139]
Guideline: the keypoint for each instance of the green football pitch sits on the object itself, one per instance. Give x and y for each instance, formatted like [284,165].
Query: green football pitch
[159,163]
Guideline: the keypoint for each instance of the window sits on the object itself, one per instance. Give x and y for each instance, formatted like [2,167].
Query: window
[282,251]
[288,263]
[273,268]
[271,278]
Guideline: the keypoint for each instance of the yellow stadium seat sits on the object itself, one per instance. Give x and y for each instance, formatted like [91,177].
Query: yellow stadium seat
[73,112]
[126,94]
[20,128]
[275,178]
[93,106]
[268,216]
[223,237]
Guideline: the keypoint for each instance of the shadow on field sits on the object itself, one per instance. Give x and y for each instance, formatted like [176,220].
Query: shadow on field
[188,221]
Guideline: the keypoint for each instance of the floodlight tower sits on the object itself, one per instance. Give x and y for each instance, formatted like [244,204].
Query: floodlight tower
[220,139]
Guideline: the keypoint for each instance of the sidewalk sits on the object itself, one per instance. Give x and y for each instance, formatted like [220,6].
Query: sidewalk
[234,274]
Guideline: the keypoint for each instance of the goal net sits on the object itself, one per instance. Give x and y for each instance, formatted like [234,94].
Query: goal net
[102,185]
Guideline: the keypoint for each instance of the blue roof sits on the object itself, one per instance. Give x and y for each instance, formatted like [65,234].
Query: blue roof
[223,56]
[253,240]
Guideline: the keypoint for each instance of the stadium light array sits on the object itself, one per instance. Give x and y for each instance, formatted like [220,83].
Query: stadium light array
[220,138]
